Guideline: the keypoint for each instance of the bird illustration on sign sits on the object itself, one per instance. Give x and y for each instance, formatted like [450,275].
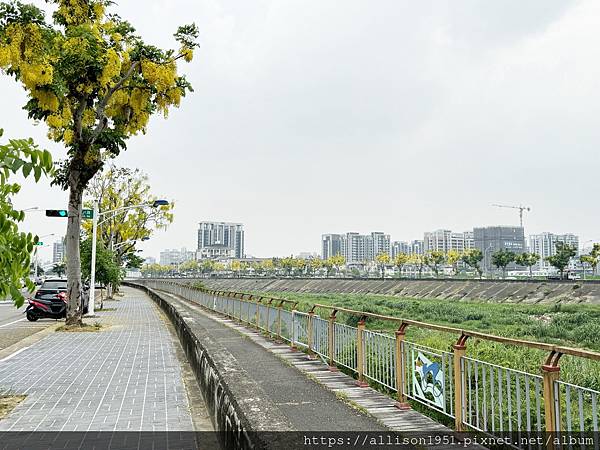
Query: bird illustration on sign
[428,380]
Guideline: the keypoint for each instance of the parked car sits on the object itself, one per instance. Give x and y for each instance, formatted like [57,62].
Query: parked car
[50,301]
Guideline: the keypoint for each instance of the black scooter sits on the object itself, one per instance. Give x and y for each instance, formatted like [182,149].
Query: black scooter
[54,308]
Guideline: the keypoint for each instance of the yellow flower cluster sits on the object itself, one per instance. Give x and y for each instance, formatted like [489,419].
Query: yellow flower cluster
[34,75]
[170,98]
[91,156]
[98,9]
[47,100]
[153,87]
[5,57]
[161,76]
[76,12]
[54,121]
[138,123]
[111,69]
[22,44]
[188,54]
[89,117]
[22,50]
[138,100]
[68,137]
[75,46]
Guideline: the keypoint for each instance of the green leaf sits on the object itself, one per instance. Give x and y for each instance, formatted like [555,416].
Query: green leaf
[47,158]
[27,169]
[17,297]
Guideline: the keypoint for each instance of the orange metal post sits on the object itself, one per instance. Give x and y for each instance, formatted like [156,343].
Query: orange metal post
[258,312]
[310,334]
[550,374]
[402,402]
[331,341]
[360,353]
[460,401]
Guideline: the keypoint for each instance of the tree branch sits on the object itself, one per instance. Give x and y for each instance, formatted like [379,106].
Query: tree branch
[102,105]
[78,119]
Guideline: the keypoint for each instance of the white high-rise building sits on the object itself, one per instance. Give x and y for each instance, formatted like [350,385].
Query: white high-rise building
[331,245]
[446,240]
[544,244]
[410,248]
[58,251]
[173,257]
[378,243]
[220,240]
[356,248]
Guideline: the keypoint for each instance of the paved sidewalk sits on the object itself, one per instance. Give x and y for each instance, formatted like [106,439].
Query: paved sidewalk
[281,391]
[124,378]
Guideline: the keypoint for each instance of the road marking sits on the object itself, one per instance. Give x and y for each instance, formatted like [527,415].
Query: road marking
[14,354]
[7,324]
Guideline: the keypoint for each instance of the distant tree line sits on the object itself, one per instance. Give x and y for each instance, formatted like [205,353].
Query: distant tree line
[435,262]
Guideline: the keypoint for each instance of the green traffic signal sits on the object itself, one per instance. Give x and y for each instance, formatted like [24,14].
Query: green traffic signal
[56,213]
[85,214]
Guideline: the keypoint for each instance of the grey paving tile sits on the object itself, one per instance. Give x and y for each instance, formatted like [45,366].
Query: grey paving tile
[124,378]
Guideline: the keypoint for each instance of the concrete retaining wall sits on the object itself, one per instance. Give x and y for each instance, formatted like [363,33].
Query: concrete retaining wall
[501,291]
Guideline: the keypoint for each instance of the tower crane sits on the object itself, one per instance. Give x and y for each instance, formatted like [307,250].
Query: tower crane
[521,209]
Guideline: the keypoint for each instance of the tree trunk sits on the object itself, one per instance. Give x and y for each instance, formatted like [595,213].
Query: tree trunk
[73,256]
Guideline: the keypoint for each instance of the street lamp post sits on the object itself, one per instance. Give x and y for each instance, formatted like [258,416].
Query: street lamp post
[95,224]
[92,297]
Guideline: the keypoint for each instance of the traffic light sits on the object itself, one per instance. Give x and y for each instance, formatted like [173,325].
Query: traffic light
[56,213]
[85,214]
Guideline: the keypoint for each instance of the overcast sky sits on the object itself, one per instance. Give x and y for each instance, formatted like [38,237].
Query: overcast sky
[312,117]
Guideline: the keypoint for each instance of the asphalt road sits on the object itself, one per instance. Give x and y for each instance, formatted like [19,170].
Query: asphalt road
[14,326]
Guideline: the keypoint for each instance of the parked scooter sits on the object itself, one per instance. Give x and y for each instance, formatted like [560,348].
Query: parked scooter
[47,308]
[50,301]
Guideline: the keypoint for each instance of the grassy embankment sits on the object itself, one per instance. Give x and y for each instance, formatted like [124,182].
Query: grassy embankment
[569,325]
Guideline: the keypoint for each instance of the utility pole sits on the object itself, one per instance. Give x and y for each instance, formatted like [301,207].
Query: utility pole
[92,296]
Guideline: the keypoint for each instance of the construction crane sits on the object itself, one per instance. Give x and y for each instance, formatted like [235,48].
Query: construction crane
[521,209]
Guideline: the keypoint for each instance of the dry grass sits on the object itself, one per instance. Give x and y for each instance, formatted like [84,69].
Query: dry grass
[8,403]
[85,328]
